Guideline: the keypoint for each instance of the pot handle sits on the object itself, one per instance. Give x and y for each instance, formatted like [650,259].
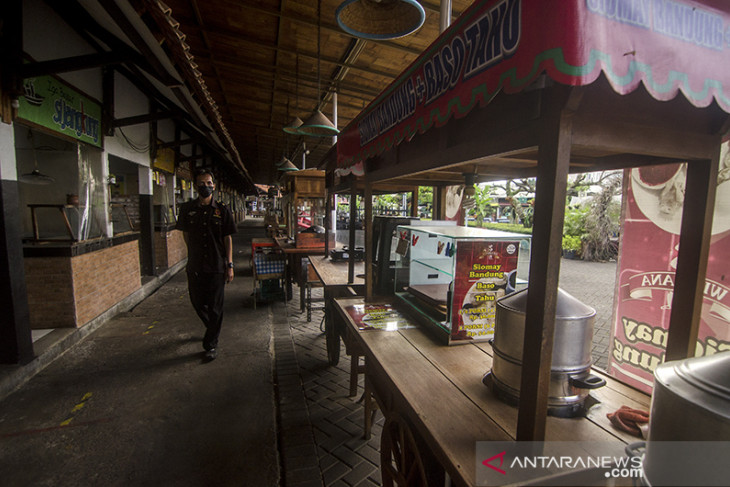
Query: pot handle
[590,382]
[634,450]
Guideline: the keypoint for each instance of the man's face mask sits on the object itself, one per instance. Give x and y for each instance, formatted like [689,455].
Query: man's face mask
[205,190]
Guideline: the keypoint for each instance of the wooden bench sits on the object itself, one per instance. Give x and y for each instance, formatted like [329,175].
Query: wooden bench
[333,276]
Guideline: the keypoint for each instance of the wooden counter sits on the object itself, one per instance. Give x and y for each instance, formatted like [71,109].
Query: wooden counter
[333,276]
[437,392]
[335,273]
[297,271]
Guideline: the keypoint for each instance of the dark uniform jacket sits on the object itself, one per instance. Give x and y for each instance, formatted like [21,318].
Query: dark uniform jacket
[206,226]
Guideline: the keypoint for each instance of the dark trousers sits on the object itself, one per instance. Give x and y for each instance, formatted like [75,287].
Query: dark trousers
[206,294]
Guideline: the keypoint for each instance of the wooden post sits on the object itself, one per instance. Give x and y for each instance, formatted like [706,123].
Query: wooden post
[552,177]
[439,203]
[694,249]
[414,202]
[368,226]
[351,245]
[107,114]
[328,203]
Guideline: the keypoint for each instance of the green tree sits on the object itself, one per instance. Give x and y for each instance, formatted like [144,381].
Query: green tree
[511,188]
[425,200]
[482,204]
[602,222]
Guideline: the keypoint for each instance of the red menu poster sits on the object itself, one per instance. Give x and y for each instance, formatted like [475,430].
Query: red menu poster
[481,277]
[654,197]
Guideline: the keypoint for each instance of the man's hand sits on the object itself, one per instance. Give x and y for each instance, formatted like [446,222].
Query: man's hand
[229,275]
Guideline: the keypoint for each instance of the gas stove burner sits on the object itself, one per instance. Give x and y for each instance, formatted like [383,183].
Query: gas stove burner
[571,410]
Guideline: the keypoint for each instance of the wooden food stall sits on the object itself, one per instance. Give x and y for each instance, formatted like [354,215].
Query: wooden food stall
[527,88]
[303,205]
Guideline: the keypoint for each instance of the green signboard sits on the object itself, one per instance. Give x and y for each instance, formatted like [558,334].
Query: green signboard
[52,104]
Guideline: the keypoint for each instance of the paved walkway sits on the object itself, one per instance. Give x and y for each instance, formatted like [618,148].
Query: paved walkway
[593,284]
[133,404]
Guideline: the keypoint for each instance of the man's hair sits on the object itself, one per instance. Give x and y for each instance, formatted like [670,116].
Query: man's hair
[203,172]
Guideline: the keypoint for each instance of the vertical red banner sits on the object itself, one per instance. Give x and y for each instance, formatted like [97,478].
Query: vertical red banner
[481,277]
[653,199]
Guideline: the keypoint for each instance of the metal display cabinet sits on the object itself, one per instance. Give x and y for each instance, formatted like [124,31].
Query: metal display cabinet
[451,277]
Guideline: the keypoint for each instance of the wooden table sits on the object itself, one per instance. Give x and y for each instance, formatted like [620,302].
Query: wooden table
[294,258]
[436,393]
[333,276]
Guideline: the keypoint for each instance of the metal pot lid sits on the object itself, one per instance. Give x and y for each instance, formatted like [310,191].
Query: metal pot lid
[710,374]
[567,306]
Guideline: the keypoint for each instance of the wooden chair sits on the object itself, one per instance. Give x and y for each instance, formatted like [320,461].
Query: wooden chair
[312,281]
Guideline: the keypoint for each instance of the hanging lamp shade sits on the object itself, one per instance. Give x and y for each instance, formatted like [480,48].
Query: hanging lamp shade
[283,161]
[293,126]
[36,177]
[318,125]
[380,19]
[288,166]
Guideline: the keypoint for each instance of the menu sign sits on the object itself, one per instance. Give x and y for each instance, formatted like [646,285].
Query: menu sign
[378,317]
[654,197]
[481,277]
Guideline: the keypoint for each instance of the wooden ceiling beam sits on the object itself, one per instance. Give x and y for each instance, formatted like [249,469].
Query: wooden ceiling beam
[313,23]
[74,63]
[93,33]
[351,90]
[179,143]
[130,31]
[148,117]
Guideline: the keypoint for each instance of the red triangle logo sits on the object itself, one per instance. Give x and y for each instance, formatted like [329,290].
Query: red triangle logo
[501,461]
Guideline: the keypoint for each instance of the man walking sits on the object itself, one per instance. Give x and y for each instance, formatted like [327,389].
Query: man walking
[207,226]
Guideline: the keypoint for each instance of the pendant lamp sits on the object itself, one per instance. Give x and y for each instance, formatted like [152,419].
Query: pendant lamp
[288,166]
[318,125]
[293,126]
[284,160]
[380,19]
[35,176]
[296,122]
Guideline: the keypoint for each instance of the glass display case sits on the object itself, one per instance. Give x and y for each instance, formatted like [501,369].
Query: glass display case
[451,277]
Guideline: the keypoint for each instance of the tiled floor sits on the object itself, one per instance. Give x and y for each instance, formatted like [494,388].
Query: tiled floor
[343,456]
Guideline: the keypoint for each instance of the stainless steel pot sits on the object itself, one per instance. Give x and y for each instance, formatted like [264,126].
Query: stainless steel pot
[570,377]
[691,403]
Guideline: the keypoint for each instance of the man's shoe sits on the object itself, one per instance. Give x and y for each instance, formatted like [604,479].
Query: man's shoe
[211,354]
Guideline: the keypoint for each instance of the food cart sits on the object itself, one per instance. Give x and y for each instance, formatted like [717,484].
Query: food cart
[526,88]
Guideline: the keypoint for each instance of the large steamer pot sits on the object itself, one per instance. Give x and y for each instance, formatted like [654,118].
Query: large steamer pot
[691,403]
[570,377]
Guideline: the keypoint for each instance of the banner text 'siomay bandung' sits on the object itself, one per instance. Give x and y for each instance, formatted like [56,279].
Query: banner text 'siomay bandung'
[501,46]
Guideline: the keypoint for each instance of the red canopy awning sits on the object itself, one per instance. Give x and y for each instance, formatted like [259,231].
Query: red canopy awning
[669,46]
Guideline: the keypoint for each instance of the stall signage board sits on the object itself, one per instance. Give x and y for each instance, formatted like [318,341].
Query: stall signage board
[52,104]
[480,278]
[378,317]
[165,160]
[669,46]
[652,217]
